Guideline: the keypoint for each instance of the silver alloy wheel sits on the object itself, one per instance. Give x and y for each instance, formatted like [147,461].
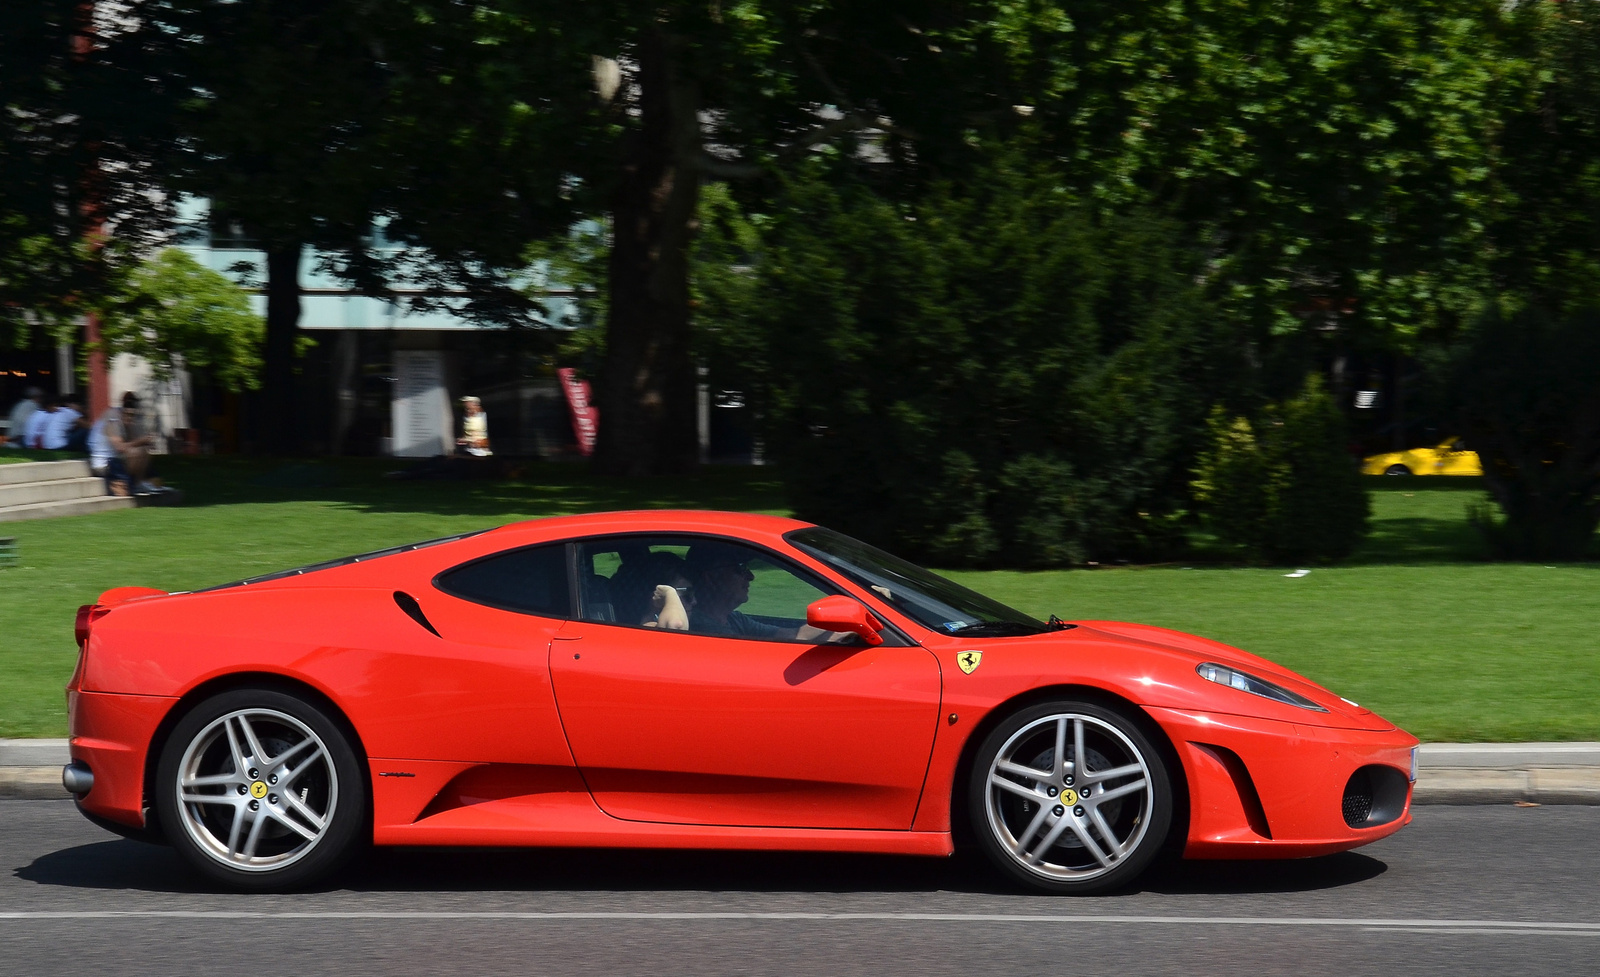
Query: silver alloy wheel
[1061,818]
[257,789]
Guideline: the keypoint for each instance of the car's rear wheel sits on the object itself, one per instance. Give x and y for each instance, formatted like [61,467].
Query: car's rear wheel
[1070,797]
[260,790]
[1397,470]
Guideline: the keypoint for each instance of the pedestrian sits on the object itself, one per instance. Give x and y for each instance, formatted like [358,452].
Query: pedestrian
[474,438]
[33,434]
[119,450]
[67,429]
[25,408]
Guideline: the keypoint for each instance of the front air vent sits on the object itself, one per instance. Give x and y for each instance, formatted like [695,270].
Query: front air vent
[1357,805]
[1374,795]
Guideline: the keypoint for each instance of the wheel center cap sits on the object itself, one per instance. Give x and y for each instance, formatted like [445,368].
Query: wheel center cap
[1069,796]
[258,789]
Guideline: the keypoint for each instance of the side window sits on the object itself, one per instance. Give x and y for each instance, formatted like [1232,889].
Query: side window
[532,580]
[695,584]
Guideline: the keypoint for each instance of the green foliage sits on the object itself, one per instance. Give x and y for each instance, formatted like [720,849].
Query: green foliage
[1233,484]
[70,156]
[1545,233]
[176,313]
[1528,390]
[1321,510]
[997,375]
[1337,157]
[1290,493]
[570,284]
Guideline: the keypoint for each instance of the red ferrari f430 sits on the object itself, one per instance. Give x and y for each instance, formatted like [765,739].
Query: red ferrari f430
[696,680]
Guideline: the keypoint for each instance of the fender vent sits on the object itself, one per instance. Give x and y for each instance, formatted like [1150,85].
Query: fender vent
[413,610]
[1249,798]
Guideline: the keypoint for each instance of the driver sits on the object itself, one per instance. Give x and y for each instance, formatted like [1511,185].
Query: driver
[721,576]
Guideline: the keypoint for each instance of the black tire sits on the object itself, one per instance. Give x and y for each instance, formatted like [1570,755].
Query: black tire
[1397,470]
[1036,829]
[301,783]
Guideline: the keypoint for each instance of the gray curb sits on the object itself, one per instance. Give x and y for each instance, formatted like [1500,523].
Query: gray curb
[1447,773]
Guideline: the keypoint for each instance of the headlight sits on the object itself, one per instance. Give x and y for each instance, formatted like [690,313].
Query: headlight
[1235,679]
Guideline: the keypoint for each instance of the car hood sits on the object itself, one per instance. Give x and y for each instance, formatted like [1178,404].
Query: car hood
[1156,667]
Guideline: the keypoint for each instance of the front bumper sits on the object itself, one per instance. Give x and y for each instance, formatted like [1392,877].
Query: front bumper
[1260,788]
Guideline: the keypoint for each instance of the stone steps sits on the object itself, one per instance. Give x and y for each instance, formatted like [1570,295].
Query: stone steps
[53,490]
[66,507]
[43,471]
[46,489]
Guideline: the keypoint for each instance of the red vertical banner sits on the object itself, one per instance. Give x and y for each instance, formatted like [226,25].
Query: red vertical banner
[585,417]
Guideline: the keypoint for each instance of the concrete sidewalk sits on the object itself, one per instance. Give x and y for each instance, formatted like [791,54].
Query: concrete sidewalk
[1447,773]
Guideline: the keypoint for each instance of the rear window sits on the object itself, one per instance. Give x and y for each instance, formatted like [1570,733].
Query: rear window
[532,581]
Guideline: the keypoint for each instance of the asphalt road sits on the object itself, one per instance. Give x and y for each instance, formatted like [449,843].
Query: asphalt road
[1464,890]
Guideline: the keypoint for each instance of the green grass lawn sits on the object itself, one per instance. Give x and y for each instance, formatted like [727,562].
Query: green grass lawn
[1415,625]
[16,456]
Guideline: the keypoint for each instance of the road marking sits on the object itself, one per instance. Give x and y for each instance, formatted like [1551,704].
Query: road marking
[1439,926]
[1532,929]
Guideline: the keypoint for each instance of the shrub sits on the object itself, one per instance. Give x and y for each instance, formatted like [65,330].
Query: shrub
[998,376]
[1289,494]
[1527,390]
[1232,484]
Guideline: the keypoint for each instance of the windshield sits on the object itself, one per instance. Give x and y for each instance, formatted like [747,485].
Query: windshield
[923,596]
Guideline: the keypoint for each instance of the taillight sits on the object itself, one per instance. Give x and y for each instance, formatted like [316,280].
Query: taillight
[87,615]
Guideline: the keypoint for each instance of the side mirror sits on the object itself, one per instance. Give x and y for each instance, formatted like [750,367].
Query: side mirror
[840,613]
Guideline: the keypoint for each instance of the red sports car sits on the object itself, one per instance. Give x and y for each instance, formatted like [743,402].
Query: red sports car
[696,680]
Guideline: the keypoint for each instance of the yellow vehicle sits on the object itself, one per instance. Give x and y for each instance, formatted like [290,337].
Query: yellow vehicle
[1449,458]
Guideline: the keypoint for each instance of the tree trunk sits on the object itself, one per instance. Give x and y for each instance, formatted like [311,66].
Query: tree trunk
[277,427]
[647,386]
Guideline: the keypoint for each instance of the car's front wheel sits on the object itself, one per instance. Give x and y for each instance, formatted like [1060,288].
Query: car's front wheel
[260,790]
[1397,470]
[1070,797]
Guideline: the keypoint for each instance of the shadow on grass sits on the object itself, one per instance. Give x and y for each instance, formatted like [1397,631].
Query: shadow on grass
[134,866]
[532,488]
[1419,539]
[1423,483]
[1416,520]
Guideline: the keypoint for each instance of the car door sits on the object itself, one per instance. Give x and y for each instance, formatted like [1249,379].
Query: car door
[749,724]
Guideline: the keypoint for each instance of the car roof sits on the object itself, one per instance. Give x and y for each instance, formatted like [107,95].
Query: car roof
[342,570]
[652,520]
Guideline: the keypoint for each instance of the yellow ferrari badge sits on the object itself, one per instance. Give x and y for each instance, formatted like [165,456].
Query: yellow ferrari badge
[258,790]
[1069,797]
[969,660]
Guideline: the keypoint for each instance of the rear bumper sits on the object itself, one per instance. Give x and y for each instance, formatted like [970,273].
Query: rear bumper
[111,736]
[1259,788]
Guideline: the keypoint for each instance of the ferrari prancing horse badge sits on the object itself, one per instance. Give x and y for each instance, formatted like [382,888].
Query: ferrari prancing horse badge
[968,660]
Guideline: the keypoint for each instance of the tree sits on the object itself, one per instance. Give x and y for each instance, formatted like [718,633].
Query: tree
[1544,235]
[729,91]
[1284,488]
[308,123]
[1527,388]
[997,373]
[175,313]
[76,141]
[1336,158]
